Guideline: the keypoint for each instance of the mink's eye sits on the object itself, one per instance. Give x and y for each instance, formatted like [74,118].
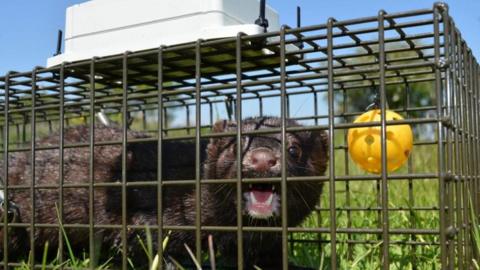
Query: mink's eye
[294,151]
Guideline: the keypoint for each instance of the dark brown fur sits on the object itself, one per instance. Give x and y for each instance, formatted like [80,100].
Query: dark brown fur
[218,203]
[141,201]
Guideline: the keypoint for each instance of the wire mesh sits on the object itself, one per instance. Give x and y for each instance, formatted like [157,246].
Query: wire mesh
[173,96]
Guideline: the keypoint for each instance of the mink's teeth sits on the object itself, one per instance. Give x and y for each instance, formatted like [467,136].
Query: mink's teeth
[273,188]
[270,199]
[252,197]
[250,186]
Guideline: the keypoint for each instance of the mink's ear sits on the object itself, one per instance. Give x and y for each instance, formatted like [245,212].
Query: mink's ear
[216,146]
[320,138]
[223,126]
[319,155]
[219,126]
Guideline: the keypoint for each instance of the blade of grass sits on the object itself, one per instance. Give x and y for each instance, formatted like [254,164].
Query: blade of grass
[145,249]
[177,264]
[197,264]
[156,260]
[475,263]
[44,257]
[211,252]
[165,241]
[475,229]
[149,244]
[105,264]
[322,260]
[69,247]
[364,255]
[130,263]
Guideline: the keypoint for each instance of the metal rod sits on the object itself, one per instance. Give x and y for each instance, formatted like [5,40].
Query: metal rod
[440,149]
[262,21]
[299,24]
[283,115]
[59,43]
[331,150]
[91,168]
[160,122]
[238,117]
[299,17]
[61,161]
[6,143]
[450,163]
[124,159]
[33,163]
[198,123]
[459,150]
[383,131]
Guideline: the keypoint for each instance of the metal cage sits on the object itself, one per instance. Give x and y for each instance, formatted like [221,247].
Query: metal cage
[416,61]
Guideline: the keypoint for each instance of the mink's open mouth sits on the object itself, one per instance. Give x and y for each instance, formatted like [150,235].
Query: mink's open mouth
[262,201]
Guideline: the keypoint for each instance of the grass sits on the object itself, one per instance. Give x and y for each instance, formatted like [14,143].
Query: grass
[72,261]
[475,233]
[403,195]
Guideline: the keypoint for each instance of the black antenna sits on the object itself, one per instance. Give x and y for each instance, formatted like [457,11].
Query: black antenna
[262,21]
[59,43]
[299,16]
[299,24]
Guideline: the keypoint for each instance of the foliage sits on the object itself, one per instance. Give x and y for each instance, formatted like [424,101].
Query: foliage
[361,93]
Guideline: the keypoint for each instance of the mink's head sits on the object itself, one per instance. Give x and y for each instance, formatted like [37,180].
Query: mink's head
[262,158]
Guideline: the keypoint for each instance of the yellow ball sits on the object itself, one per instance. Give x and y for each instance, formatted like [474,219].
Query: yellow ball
[364,144]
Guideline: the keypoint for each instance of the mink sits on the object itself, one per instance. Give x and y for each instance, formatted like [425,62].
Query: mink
[141,165]
[307,155]
[261,203]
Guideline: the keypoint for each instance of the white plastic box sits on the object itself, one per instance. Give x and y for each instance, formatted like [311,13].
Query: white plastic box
[108,27]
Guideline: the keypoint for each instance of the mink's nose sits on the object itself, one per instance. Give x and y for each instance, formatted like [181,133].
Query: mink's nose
[262,159]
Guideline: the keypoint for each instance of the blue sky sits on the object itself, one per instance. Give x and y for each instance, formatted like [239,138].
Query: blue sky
[28,29]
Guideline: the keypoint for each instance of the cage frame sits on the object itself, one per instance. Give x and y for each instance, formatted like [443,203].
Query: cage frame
[453,69]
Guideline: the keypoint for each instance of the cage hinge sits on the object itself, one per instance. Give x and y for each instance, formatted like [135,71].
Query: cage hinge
[442,64]
[450,177]
[451,232]
[447,121]
[441,6]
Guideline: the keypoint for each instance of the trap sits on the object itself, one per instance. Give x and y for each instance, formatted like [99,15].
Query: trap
[323,76]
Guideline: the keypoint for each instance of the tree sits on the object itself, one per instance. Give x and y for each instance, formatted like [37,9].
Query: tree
[400,93]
